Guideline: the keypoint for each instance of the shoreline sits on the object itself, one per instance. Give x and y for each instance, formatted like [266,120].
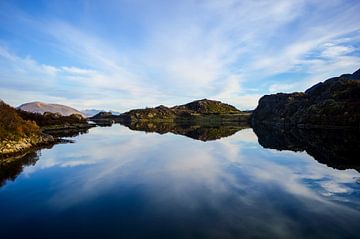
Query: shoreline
[12,148]
[17,147]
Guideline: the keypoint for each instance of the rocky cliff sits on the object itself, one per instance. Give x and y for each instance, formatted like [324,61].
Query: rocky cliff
[334,103]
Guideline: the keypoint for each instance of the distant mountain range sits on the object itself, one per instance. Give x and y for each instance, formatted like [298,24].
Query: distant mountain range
[92,112]
[40,107]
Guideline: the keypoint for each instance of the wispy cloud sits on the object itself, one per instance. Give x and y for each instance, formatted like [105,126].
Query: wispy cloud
[140,55]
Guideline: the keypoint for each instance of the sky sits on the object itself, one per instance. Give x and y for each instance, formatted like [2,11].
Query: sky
[125,54]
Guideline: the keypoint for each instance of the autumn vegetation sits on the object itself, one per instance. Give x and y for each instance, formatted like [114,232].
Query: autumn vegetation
[13,126]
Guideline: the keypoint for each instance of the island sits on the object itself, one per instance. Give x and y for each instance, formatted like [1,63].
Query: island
[197,112]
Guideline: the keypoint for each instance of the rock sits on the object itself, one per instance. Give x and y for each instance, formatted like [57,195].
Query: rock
[333,103]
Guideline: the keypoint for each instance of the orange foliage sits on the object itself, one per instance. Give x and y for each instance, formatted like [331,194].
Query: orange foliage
[12,125]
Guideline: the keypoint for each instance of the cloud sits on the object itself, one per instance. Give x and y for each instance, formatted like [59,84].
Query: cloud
[222,50]
[77,71]
[333,50]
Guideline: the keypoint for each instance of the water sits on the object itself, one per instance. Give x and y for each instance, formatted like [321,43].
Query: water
[117,183]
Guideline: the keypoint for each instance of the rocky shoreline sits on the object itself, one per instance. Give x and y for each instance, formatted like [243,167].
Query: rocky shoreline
[11,147]
[49,137]
[21,131]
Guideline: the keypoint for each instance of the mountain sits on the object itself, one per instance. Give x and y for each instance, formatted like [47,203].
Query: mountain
[40,107]
[334,103]
[92,112]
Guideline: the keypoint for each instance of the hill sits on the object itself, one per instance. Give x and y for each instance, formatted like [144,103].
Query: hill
[197,111]
[334,103]
[92,112]
[40,107]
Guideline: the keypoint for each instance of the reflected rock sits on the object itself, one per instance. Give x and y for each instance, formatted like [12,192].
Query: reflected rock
[204,132]
[68,132]
[336,148]
[10,168]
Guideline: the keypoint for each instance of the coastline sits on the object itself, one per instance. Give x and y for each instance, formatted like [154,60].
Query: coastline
[12,147]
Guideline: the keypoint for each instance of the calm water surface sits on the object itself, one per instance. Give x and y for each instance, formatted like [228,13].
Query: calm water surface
[118,183]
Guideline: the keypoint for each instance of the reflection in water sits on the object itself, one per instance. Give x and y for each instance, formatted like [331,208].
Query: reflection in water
[67,132]
[335,148]
[118,183]
[10,168]
[204,132]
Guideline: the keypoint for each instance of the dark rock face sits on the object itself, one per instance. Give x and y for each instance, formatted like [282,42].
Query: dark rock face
[335,148]
[333,103]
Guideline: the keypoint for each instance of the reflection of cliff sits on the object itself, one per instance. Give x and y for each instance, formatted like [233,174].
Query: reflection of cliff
[10,168]
[335,148]
[200,132]
[70,132]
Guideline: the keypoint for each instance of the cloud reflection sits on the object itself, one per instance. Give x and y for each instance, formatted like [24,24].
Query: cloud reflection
[232,182]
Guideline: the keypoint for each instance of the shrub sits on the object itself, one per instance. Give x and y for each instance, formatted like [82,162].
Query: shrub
[12,126]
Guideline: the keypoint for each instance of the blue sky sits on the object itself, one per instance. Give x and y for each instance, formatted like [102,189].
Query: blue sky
[125,54]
